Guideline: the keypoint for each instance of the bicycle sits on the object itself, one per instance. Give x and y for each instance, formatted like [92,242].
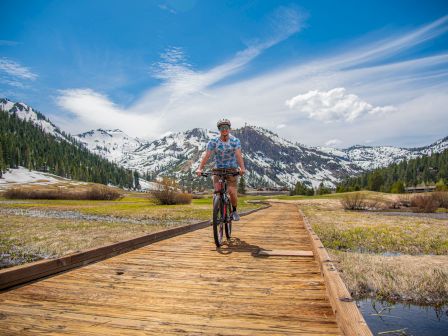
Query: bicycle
[222,209]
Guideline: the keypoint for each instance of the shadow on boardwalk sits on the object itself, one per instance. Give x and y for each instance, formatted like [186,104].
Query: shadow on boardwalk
[238,245]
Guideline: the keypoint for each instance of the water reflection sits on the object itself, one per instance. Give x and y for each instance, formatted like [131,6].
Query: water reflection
[386,318]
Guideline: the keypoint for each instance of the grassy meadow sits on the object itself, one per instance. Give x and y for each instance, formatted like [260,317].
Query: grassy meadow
[386,257]
[33,229]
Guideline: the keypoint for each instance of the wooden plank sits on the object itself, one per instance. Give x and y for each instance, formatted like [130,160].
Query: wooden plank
[285,253]
[185,285]
[349,318]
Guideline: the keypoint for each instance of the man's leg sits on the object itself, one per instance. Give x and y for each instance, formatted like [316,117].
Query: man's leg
[216,183]
[233,196]
[234,200]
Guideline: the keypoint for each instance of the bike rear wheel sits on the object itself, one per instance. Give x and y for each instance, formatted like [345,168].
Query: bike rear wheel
[218,223]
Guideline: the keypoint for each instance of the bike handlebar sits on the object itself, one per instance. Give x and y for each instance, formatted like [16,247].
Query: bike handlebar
[207,174]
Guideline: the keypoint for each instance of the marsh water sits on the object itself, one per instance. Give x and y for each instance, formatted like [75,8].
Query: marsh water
[389,319]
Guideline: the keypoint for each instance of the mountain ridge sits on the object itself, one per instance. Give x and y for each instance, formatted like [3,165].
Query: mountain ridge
[271,160]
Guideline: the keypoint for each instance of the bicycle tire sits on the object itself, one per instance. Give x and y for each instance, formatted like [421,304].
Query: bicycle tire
[228,223]
[218,224]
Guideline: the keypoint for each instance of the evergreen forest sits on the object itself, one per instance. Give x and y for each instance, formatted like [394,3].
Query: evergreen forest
[22,143]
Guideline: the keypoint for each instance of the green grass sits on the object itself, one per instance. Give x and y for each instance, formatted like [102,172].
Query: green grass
[24,238]
[374,233]
[387,257]
[131,207]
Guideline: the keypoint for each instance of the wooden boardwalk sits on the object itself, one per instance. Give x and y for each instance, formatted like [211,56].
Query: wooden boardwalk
[183,285]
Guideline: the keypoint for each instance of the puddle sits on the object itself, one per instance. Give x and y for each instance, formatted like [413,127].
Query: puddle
[389,319]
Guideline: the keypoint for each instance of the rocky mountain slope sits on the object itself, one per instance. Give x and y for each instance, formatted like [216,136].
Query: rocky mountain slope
[270,160]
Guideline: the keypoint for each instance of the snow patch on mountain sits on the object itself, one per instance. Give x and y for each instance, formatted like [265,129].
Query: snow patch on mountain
[23,175]
[111,144]
[27,113]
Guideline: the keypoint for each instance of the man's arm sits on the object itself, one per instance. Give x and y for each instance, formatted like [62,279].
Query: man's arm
[204,160]
[239,158]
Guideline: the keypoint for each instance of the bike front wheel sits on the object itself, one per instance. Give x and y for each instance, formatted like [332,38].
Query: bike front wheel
[228,223]
[218,222]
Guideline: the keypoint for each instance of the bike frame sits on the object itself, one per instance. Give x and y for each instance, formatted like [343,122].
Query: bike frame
[225,219]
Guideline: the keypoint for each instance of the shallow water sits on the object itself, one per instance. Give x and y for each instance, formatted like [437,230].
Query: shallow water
[403,319]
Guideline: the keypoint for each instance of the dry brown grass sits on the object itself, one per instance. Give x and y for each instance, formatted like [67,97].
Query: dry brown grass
[63,192]
[418,279]
[441,198]
[410,276]
[354,201]
[25,239]
[424,203]
[376,233]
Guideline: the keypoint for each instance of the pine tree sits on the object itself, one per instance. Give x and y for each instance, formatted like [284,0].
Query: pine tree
[242,186]
[2,162]
[136,180]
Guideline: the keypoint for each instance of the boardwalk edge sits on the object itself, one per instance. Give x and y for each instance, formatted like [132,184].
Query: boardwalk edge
[349,318]
[22,274]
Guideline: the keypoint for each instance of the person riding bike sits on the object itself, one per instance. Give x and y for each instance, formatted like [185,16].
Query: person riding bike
[228,157]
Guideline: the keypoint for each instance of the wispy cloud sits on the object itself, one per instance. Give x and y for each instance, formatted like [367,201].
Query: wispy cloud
[180,79]
[165,7]
[15,69]
[188,97]
[8,43]
[333,142]
[97,110]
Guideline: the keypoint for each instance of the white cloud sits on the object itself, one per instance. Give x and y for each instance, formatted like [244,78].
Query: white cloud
[97,110]
[16,70]
[333,142]
[180,84]
[281,126]
[355,85]
[334,105]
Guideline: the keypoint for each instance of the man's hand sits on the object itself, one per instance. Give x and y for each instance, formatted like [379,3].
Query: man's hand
[242,171]
[199,172]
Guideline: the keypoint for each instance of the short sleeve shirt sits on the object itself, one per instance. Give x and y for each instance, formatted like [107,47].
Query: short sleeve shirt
[224,152]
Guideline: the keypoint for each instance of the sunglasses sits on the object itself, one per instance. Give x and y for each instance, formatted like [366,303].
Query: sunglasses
[224,128]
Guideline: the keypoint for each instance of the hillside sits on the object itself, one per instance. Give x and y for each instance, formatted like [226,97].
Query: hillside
[428,169]
[271,160]
[37,146]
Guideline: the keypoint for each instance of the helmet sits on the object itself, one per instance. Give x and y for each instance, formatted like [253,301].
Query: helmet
[223,122]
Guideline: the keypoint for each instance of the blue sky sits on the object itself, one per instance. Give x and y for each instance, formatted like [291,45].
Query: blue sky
[327,73]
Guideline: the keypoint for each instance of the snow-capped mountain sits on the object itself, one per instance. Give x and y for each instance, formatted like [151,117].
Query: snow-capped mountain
[270,159]
[368,157]
[112,144]
[26,112]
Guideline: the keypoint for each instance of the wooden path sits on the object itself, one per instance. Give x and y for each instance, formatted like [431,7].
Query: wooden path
[183,285]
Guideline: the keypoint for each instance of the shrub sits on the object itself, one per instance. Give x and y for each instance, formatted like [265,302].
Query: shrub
[102,192]
[424,203]
[183,198]
[354,201]
[397,188]
[405,200]
[168,193]
[442,198]
[441,186]
[94,192]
